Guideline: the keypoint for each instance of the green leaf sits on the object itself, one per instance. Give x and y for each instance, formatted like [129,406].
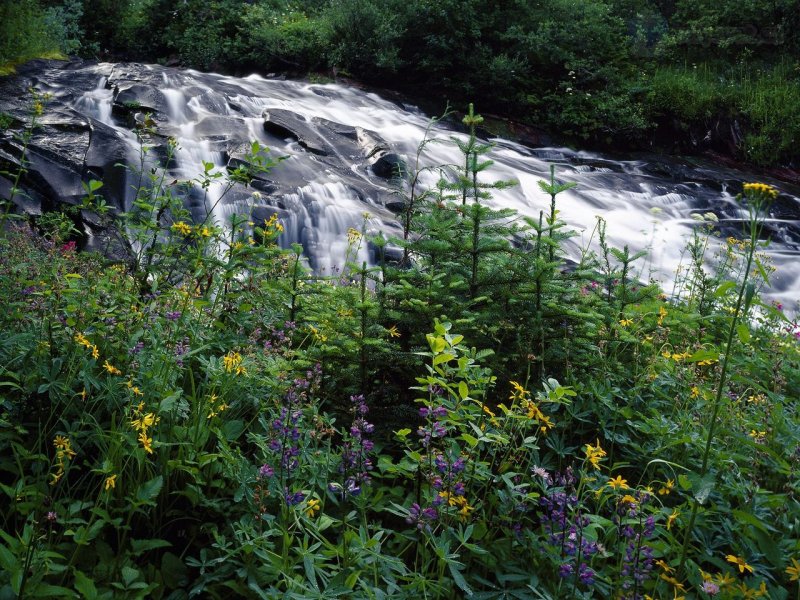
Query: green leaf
[85,586]
[129,575]
[724,288]
[463,390]
[703,354]
[762,271]
[459,578]
[7,560]
[744,333]
[471,440]
[749,292]
[148,491]
[442,358]
[140,546]
[232,430]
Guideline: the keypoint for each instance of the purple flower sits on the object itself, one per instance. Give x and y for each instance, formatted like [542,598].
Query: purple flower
[294,498]
[173,316]
[266,471]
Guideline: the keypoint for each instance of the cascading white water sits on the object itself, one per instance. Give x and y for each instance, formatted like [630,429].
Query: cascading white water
[642,209]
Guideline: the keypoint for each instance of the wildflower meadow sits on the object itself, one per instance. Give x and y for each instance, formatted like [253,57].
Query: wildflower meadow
[476,416]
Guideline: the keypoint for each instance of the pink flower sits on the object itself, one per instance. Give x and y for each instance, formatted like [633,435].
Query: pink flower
[710,588]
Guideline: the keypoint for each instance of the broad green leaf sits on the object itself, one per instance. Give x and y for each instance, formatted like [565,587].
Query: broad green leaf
[85,586]
[149,490]
[744,333]
[724,288]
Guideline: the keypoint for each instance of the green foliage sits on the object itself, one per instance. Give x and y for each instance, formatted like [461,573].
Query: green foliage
[194,420]
[25,33]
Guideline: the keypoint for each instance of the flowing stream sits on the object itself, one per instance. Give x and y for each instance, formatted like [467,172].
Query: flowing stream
[324,188]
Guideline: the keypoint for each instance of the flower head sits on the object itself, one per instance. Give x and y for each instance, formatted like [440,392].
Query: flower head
[739,562]
[618,483]
[760,190]
[794,570]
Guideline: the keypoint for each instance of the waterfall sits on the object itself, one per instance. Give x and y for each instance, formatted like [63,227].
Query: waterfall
[326,186]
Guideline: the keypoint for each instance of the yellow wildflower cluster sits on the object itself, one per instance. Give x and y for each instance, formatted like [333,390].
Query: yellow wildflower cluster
[757,399]
[594,454]
[667,488]
[215,406]
[312,507]
[318,335]
[64,453]
[182,228]
[204,231]
[734,243]
[522,398]
[492,416]
[676,356]
[464,508]
[353,235]
[272,225]
[393,332]
[662,312]
[134,389]
[142,422]
[81,339]
[233,363]
[760,189]
[110,482]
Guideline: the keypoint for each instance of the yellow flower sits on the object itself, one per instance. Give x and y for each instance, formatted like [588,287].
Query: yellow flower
[739,562]
[672,517]
[628,499]
[112,370]
[312,507]
[353,235]
[146,442]
[674,582]
[111,482]
[794,571]
[95,353]
[724,579]
[662,312]
[760,189]
[61,442]
[81,339]
[393,332]
[667,569]
[667,488]
[618,483]
[695,391]
[204,231]
[594,454]
[625,322]
[233,362]
[181,227]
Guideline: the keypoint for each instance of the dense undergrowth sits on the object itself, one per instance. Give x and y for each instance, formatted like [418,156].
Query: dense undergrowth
[207,418]
[677,75]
